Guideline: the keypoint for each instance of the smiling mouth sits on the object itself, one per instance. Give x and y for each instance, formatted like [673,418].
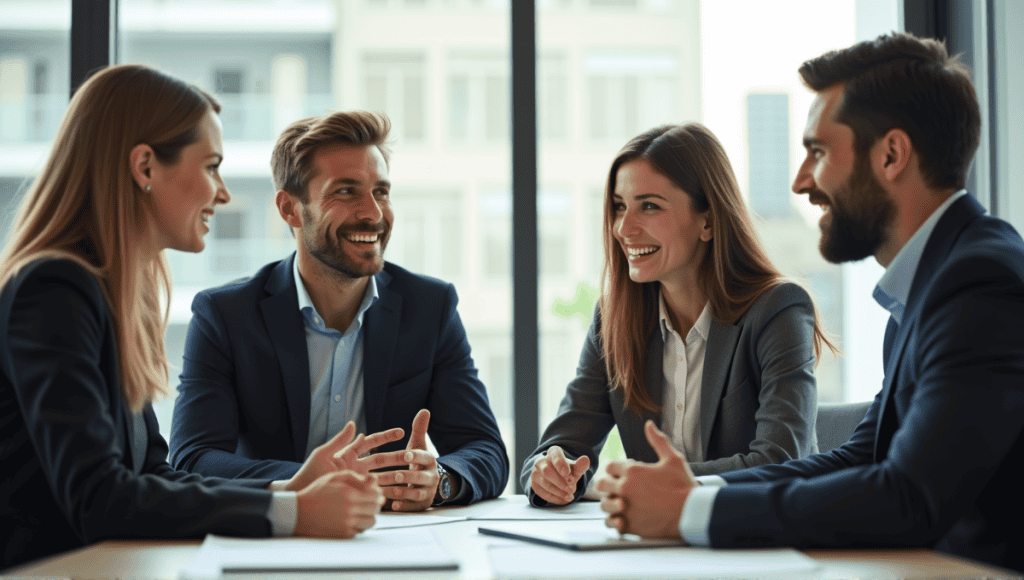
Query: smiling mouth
[362,238]
[641,251]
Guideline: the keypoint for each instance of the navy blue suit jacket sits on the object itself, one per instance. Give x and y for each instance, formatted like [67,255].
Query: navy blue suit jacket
[935,461]
[243,404]
[76,465]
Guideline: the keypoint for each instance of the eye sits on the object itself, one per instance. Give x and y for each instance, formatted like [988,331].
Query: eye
[381,192]
[213,168]
[618,206]
[649,205]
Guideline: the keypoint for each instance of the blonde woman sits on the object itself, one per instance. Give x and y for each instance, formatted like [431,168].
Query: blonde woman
[696,329]
[133,171]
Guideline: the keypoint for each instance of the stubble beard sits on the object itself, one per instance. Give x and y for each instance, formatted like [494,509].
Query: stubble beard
[328,251]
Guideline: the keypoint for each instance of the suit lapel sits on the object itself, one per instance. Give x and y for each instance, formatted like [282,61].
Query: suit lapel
[936,250]
[380,334]
[281,315]
[722,340]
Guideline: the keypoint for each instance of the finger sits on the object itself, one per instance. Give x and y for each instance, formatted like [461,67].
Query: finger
[579,467]
[617,468]
[609,485]
[616,522]
[659,442]
[410,506]
[420,459]
[551,476]
[343,438]
[418,438]
[557,458]
[386,459]
[550,493]
[378,439]
[612,505]
[363,522]
[398,493]
[405,477]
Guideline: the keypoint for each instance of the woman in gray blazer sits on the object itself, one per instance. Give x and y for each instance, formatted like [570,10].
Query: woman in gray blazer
[695,328]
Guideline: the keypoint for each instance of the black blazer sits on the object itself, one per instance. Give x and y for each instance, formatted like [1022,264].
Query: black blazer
[935,462]
[76,466]
[243,405]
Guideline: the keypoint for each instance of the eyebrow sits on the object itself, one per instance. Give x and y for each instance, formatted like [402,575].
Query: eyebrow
[811,141]
[642,196]
[351,181]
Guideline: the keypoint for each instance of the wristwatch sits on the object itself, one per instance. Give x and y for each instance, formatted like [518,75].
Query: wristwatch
[445,487]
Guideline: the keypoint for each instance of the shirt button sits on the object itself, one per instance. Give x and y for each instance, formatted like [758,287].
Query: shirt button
[679,406]
[680,359]
[337,398]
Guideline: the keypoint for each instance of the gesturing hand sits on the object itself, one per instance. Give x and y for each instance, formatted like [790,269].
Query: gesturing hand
[554,476]
[647,498]
[341,453]
[413,489]
[338,505]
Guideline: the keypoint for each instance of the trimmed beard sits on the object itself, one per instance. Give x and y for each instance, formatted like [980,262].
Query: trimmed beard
[857,226]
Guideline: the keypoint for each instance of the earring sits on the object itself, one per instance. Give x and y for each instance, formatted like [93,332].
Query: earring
[149,188]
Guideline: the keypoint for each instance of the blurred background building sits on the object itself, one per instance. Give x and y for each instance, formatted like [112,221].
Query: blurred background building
[606,70]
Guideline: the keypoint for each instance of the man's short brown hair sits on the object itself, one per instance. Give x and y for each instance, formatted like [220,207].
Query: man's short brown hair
[899,81]
[292,160]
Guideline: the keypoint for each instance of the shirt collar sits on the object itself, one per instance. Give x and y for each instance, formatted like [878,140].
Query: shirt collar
[309,311]
[701,326]
[893,288]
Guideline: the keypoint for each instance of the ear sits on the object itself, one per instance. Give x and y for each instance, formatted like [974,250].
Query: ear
[891,155]
[288,207]
[141,160]
[705,233]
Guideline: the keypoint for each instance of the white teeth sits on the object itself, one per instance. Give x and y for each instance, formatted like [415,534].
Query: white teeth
[362,238]
[641,251]
[205,217]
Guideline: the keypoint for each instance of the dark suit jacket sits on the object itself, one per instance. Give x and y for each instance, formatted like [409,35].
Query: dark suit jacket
[76,466]
[243,405]
[758,394]
[935,461]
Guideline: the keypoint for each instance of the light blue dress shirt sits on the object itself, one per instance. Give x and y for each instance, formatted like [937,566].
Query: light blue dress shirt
[335,368]
[335,387]
[891,293]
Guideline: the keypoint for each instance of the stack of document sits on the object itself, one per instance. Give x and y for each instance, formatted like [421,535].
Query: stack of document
[368,551]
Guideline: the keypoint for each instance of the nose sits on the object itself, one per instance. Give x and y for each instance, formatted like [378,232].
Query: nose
[223,195]
[368,208]
[627,225]
[804,182]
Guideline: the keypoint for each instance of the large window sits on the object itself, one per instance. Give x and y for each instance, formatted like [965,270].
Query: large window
[605,70]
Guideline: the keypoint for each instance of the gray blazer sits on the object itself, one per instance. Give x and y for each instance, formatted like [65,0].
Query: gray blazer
[758,398]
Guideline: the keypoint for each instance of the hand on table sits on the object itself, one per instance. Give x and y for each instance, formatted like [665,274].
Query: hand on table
[647,498]
[413,489]
[338,505]
[554,477]
[338,454]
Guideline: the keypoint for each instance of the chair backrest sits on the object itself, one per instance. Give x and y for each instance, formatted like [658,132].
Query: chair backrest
[836,422]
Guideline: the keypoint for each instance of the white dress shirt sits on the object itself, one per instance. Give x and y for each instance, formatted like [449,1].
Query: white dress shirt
[682,376]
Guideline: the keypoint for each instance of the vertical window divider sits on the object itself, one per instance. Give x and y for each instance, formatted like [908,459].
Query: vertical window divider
[525,329]
[93,38]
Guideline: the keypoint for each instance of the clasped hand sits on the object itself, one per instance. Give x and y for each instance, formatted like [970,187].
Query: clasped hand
[554,476]
[647,499]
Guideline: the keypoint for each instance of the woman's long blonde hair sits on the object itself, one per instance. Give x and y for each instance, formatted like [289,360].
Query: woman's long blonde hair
[85,206]
[735,271]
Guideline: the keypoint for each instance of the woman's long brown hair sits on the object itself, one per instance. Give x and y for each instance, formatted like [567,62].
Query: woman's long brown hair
[735,271]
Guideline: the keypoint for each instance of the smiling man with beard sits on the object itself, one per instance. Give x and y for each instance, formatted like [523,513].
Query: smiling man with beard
[278,364]
[889,139]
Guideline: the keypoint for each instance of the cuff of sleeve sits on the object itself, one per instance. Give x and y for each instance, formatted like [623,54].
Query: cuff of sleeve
[695,521]
[283,513]
[712,481]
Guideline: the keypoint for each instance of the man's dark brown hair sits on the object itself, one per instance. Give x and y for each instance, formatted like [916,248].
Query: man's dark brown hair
[899,81]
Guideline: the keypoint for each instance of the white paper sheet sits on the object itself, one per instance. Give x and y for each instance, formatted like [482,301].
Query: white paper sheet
[518,508]
[523,561]
[420,550]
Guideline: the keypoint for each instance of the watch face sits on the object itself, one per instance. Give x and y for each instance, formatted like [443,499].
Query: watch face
[446,487]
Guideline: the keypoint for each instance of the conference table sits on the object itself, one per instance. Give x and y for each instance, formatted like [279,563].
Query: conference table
[474,552]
